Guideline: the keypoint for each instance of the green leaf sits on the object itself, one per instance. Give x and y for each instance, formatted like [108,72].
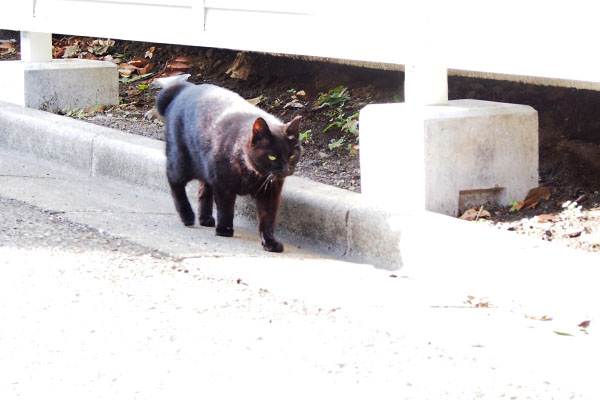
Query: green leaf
[305,136]
[335,144]
[337,124]
[562,333]
[136,78]
[334,97]
[351,126]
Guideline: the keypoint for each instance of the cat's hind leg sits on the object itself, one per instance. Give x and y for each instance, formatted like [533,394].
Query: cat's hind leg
[182,204]
[205,204]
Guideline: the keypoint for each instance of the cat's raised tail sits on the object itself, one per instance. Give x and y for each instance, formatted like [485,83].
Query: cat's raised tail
[168,94]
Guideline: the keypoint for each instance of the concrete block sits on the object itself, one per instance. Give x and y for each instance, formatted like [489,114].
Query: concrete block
[434,158]
[59,84]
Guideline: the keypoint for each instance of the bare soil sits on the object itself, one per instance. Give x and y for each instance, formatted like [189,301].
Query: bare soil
[569,133]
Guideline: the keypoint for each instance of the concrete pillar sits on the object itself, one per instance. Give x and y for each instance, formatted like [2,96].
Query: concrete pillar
[426,85]
[36,46]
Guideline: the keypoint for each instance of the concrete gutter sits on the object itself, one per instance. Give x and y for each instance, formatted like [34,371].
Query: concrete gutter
[330,218]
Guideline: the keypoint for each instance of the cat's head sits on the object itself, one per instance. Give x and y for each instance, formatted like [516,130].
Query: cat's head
[275,149]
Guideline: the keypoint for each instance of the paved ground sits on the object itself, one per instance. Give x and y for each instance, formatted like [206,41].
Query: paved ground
[105,295]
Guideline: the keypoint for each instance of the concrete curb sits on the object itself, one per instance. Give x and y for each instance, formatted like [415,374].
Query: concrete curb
[327,217]
[330,218]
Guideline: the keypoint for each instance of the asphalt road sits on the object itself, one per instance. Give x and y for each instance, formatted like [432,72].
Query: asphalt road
[105,295]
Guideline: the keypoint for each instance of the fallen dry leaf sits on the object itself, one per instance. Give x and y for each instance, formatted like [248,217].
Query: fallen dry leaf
[477,303]
[255,100]
[125,72]
[475,213]
[183,59]
[294,103]
[546,218]
[6,45]
[171,73]
[535,195]
[519,205]
[302,95]
[58,53]
[542,318]
[241,67]
[176,65]
[71,52]
[584,324]
[150,52]
[95,108]
[147,68]
[138,62]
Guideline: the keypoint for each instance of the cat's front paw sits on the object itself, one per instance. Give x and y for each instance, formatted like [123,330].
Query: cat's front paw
[226,231]
[273,246]
[188,219]
[207,220]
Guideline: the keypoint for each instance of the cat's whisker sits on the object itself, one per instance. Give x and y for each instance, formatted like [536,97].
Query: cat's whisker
[265,184]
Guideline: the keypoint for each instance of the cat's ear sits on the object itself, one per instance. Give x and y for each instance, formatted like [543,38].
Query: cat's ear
[260,131]
[292,128]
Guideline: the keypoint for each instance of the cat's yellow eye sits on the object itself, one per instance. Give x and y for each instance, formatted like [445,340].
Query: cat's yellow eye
[292,156]
[272,158]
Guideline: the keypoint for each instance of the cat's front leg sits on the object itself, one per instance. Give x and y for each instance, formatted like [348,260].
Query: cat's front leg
[267,207]
[225,202]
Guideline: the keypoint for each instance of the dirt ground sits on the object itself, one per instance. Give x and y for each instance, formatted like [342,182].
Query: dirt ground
[329,96]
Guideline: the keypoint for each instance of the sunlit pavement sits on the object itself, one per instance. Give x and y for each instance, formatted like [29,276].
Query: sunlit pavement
[104,294]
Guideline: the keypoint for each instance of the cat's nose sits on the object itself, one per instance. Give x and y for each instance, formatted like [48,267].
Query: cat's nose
[285,170]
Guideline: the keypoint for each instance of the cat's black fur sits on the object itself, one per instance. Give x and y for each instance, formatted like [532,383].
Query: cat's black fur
[215,136]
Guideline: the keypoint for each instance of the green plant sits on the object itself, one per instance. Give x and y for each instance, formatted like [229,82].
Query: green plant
[135,78]
[343,123]
[334,144]
[143,86]
[74,113]
[335,96]
[513,206]
[348,125]
[306,136]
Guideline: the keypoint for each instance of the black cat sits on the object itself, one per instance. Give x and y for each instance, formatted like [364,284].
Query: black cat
[230,146]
